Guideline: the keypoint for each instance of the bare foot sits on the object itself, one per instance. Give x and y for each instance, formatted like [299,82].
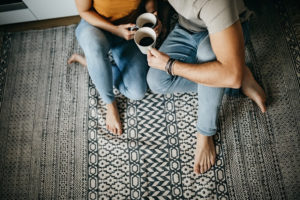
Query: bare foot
[113,122]
[205,154]
[252,90]
[77,58]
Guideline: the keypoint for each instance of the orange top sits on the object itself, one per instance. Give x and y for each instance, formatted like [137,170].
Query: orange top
[115,9]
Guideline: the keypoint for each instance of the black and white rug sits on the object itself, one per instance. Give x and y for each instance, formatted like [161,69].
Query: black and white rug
[258,154]
[43,117]
[54,144]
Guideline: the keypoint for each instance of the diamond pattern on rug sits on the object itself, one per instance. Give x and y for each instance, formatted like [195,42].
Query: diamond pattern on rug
[253,149]
[159,147]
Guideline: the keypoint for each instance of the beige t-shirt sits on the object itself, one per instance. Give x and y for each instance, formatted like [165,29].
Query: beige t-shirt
[211,15]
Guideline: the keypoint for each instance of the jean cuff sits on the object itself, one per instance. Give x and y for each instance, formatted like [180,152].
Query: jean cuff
[108,101]
[206,133]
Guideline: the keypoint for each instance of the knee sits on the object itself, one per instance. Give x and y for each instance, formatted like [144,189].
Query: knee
[205,55]
[91,40]
[155,82]
[205,52]
[137,93]
[152,83]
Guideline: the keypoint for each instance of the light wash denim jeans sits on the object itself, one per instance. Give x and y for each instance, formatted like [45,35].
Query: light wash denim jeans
[190,47]
[129,76]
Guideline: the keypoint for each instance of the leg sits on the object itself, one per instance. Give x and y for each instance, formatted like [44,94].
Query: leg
[252,90]
[209,98]
[132,67]
[179,45]
[209,101]
[95,45]
[182,46]
[82,60]
[249,85]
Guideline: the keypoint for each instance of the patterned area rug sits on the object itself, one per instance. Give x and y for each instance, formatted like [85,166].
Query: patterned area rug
[54,145]
[43,119]
[258,154]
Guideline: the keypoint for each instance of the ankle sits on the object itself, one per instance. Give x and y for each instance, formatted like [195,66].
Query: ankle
[112,104]
[203,137]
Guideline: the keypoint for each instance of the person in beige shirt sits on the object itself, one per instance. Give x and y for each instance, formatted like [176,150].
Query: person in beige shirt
[205,53]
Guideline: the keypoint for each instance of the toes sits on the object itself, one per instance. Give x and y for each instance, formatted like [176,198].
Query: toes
[204,168]
[110,129]
[212,162]
[263,108]
[197,169]
[71,59]
[119,131]
[208,165]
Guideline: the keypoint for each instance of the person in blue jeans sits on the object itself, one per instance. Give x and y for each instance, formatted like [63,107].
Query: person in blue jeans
[205,54]
[105,26]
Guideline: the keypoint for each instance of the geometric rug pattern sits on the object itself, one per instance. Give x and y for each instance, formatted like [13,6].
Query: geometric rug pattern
[153,159]
[54,144]
[43,116]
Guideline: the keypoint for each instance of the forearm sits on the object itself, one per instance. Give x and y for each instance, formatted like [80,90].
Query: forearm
[97,20]
[213,74]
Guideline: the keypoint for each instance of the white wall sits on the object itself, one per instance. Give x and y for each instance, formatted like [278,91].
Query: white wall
[47,9]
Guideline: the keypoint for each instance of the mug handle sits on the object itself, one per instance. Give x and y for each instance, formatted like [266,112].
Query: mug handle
[133,28]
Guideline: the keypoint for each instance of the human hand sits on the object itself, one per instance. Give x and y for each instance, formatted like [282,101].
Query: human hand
[124,31]
[157,59]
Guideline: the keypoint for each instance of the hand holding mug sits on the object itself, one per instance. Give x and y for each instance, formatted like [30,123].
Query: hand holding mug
[157,59]
[124,31]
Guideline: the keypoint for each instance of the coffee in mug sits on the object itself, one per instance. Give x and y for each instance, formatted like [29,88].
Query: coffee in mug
[145,39]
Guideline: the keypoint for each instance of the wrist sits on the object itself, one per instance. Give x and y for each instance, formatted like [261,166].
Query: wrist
[169,66]
[115,29]
[174,68]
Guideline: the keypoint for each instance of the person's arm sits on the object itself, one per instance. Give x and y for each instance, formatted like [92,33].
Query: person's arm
[87,13]
[226,71]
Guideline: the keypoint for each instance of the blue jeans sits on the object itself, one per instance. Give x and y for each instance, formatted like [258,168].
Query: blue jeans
[129,74]
[190,47]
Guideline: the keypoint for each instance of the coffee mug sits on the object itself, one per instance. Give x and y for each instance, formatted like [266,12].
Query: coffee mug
[145,39]
[145,20]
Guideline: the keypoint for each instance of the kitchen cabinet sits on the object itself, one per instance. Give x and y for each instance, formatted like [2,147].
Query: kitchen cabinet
[36,10]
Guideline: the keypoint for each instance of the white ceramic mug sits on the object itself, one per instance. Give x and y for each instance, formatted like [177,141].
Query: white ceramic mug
[144,33]
[145,19]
